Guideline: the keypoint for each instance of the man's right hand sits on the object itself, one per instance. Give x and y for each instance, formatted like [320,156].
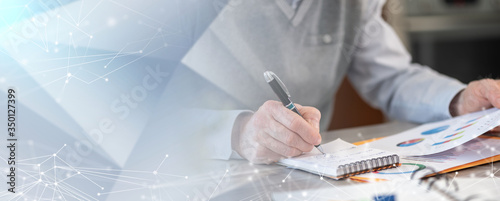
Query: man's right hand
[275,132]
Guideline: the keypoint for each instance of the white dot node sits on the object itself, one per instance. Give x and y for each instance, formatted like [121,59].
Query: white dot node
[166,156]
[106,79]
[304,194]
[70,33]
[105,66]
[64,144]
[39,180]
[155,172]
[256,171]
[283,181]
[102,188]
[289,195]
[69,74]
[55,183]
[42,173]
[249,178]
[66,81]
[321,178]
[227,170]
[140,51]
[98,194]
[54,154]
[78,173]
[91,36]
[46,185]
[492,175]
[186,177]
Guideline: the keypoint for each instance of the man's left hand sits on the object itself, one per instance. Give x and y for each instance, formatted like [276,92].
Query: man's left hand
[478,95]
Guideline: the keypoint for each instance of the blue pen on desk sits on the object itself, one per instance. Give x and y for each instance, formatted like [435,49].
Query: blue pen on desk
[282,93]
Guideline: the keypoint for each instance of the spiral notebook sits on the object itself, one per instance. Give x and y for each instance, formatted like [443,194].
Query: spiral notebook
[342,159]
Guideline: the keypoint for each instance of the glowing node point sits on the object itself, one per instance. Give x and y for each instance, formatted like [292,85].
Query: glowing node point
[105,66]
[102,188]
[256,171]
[289,195]
[186,177]
[69,74]
[66,81]
[39,180]
[54,154]
[58,16]
[56,42]
[98,194]
[166,156]
[42,173]
[227,170]
[321,178]
[55,183]
[106,79]
[492,175]
[456,173]
[78,173]
[38,165]
[70,33]
[77,25]
[155,172]
[91,36]
[304,194]
[140,51]
[249,178]
[283,181]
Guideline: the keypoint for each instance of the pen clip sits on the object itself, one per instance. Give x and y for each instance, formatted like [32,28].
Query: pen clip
[270,74]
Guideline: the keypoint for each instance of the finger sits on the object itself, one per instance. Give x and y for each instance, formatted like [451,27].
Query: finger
[491,91]
[277,146]
[496,129]
[294,122]
[288,137]
[310,114]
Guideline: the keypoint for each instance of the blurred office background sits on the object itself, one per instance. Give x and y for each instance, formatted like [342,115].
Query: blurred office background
[459,38]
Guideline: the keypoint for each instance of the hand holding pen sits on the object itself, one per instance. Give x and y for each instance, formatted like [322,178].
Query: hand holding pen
[274,132]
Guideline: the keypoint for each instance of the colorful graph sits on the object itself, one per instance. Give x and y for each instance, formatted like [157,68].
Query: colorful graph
[474,119]
[435,130]
[465,126]
[454,134]
[410,142]
[405,168]
[438,143]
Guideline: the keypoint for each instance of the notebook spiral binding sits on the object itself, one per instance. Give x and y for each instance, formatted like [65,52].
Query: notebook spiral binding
[369,165]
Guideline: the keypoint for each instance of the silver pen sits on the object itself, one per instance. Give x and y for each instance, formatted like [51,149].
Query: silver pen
[282,92]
